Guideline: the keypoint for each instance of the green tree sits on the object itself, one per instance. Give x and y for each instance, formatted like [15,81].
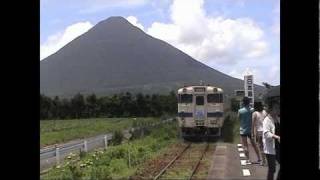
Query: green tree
[65,109]
[267,85]
[92,105]
[117,138]
[141,104]
[147,106]
[126,104]
[234,103]
[173,100]
[105,106]
[45,107]
[42,107]
[55,109]
[78,105]
[99,106]
[114,106]
[155,106]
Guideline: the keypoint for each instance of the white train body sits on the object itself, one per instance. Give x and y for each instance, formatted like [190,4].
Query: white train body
[200,110]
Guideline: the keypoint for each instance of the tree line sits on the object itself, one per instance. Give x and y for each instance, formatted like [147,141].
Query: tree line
[118,105]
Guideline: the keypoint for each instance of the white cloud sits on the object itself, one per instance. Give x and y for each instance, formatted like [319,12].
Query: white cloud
[257,74]
[160,6]
[205,38]
[274,72]
[93,6]
[276,28]
[262,73]
[166,32]
[134,21]
[60,39]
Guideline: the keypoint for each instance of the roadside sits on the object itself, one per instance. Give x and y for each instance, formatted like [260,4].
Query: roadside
[116,161]
[56,154]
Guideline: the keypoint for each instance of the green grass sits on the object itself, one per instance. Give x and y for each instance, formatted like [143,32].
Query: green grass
[114,162]
[58,131]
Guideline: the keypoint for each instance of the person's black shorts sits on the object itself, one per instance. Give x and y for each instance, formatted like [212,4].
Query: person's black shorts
[246,135]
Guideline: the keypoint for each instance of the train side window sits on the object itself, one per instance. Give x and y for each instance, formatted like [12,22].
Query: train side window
[186,98]
[214,98]
[199,100]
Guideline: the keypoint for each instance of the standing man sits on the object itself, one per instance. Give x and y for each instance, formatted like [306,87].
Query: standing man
[271,132]
[271,140]
[245,117]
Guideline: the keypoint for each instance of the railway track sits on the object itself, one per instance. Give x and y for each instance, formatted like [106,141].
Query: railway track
[184,162]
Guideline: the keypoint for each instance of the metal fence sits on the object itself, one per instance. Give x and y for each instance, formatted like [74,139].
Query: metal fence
[54,155]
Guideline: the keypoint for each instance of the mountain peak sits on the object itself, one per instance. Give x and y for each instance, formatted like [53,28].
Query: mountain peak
[115,56]
[115,21]
[114,26]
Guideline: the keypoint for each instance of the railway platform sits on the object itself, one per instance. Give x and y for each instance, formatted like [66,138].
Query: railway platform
[226,164]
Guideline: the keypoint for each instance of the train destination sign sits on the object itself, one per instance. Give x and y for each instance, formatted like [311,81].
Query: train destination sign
[199,89]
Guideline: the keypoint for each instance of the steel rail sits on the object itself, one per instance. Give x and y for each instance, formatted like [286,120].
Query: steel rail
[198,163]
[171,162]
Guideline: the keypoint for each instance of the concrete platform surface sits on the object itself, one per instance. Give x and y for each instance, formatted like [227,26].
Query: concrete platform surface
[226,164]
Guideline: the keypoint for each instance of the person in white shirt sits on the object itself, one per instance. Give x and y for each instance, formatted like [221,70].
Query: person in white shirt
[270,137]
[257,128]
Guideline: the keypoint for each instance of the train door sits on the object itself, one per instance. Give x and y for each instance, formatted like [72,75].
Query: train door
[199,110]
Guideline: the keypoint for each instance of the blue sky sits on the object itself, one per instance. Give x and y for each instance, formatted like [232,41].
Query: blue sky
[228,35]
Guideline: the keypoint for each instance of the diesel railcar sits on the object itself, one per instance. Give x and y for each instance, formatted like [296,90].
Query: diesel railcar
[200,111]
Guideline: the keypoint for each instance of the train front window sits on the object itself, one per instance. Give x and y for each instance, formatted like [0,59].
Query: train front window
[200,100]
[186,98]
[214,98]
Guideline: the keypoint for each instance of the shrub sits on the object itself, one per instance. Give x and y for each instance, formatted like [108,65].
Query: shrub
[75,172]
[230,129]
[117,138]
[82,154]
[118,165]
[119,153]
[136,134]
[100,173]
[234,103]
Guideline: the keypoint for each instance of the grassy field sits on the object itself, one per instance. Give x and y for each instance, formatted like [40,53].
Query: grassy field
[116,162]
[58,131]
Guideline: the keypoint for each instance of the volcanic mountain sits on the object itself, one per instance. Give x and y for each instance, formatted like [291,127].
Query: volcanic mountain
[115,56]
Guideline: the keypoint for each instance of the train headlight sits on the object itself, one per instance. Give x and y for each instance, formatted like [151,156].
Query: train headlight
[214,121]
